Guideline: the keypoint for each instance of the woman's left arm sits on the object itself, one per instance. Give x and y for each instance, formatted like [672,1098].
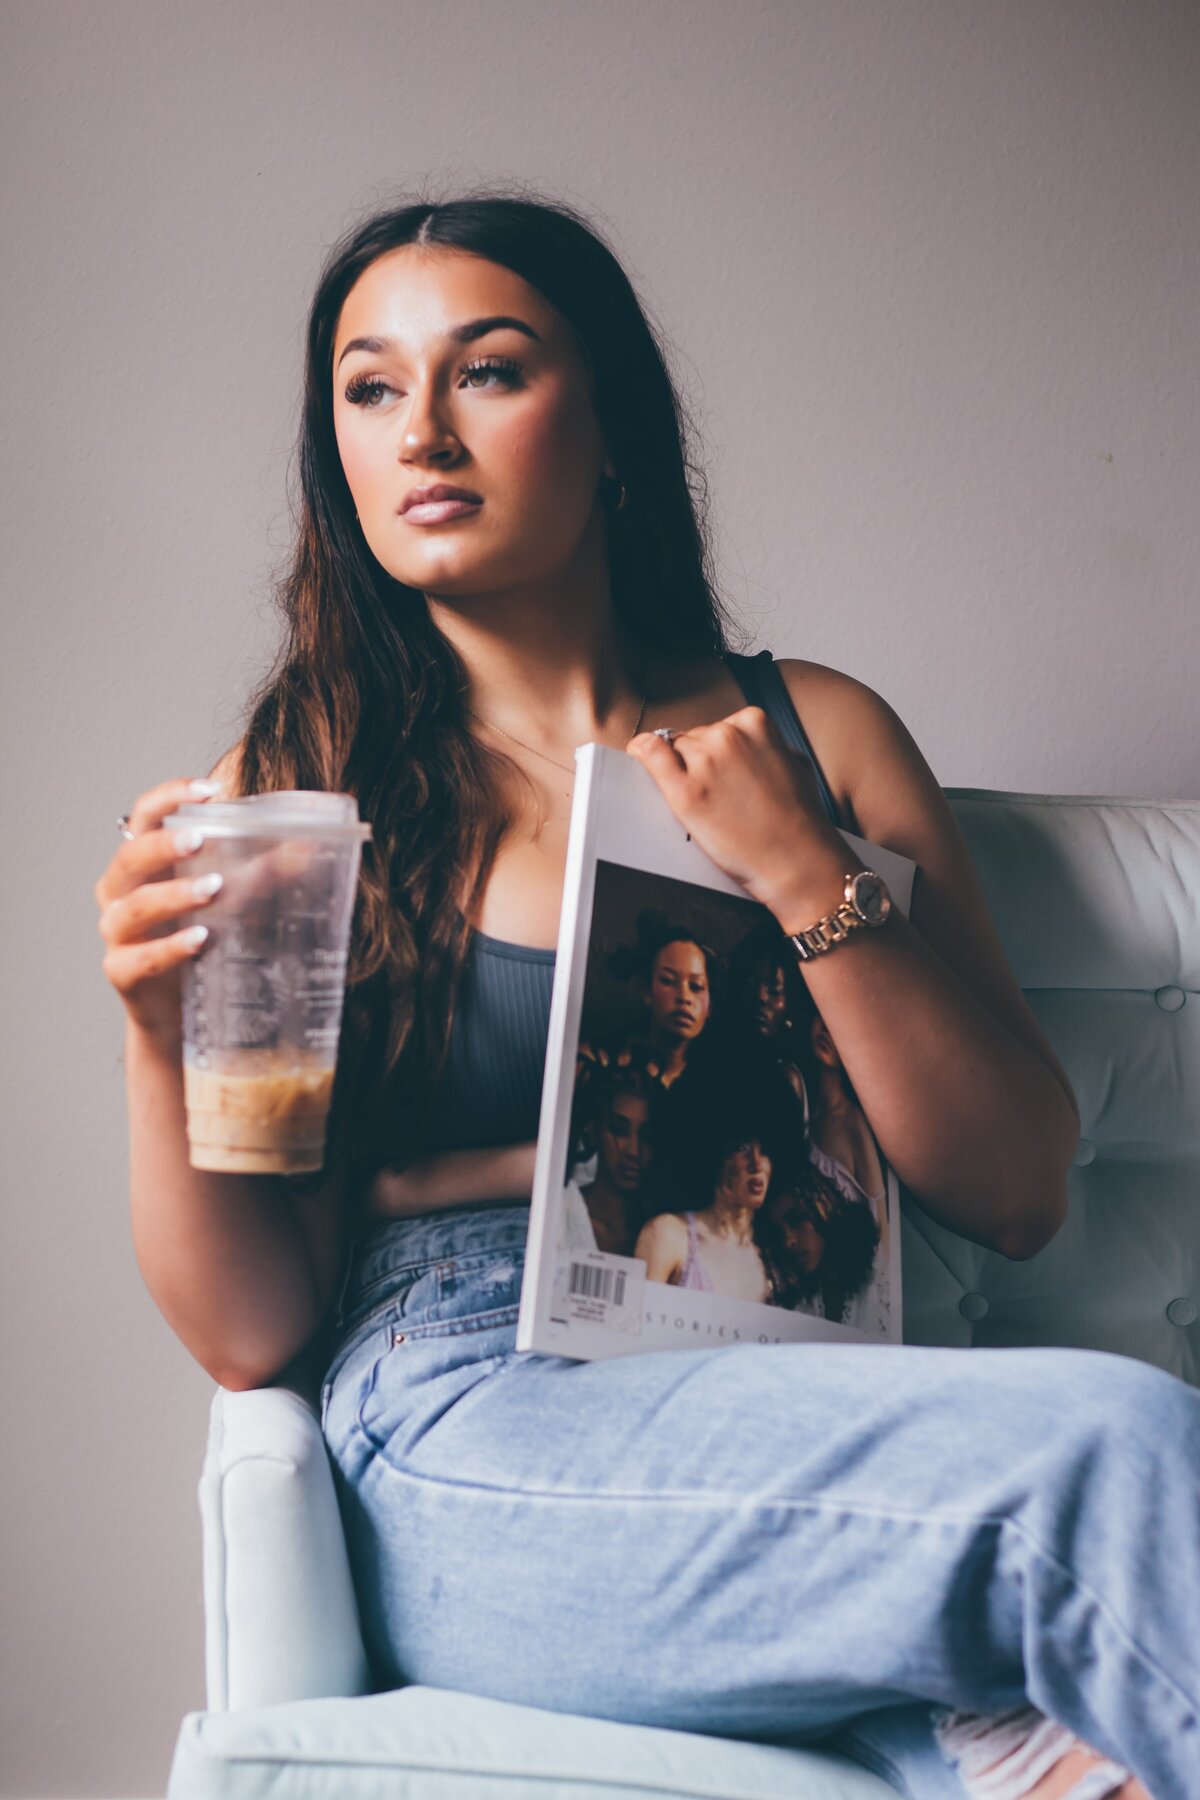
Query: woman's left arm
[452,1178]
[968,1101]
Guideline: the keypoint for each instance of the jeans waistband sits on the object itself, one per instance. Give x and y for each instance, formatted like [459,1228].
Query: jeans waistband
[395,1251]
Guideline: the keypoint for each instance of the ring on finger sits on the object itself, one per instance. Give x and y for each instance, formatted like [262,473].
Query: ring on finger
[123,826]
[665,733]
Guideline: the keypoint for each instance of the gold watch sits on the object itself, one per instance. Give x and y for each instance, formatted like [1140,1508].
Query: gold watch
[865,901]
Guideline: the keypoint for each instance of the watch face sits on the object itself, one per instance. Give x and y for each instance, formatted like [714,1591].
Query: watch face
[869,897]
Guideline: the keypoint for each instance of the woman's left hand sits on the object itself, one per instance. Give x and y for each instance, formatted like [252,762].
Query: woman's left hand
[754,807]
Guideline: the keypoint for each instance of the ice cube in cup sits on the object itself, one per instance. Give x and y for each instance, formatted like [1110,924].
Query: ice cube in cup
[262,1005]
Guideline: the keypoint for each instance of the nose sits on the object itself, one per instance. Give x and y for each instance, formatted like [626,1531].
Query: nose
[427,437]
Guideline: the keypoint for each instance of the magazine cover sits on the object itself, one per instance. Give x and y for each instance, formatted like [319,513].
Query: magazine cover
[704,1173]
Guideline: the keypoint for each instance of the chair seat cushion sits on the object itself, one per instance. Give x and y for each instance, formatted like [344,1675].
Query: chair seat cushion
[428,1744]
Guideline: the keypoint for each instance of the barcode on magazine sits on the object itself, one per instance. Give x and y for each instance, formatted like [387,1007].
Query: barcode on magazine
[591,1283]
[594,1288]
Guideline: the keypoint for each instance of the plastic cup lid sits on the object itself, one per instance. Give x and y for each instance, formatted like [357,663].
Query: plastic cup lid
[285,812]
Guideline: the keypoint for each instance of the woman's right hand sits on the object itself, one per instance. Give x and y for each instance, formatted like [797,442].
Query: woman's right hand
[141,901]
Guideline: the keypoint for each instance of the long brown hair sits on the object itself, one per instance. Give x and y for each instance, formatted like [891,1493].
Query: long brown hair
[367,697]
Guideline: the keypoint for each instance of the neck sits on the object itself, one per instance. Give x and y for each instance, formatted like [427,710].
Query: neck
[672,1051]
[608,1199]
[725,1219]
[547,661]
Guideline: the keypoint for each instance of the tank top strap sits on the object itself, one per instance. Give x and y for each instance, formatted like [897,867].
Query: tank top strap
[694,1274]
[763,685]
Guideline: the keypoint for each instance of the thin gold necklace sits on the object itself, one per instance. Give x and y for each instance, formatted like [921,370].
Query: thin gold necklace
[542,753]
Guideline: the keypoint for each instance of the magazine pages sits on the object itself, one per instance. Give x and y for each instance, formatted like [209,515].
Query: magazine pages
[704,1173]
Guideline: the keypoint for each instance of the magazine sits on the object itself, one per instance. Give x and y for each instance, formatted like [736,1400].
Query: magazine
[704,1173]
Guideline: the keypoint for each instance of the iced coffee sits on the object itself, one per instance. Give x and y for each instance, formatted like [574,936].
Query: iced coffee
[268,1119]
[262,1003]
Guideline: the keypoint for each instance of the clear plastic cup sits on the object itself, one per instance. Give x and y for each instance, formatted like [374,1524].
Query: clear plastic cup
[262,1003]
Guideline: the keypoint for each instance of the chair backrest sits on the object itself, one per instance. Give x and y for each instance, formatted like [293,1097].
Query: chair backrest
[1097,902]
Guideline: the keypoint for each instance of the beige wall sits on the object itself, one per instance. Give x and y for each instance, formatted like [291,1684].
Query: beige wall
[931,271]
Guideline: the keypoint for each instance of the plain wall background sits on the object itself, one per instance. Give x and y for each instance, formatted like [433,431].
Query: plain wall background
[930,270]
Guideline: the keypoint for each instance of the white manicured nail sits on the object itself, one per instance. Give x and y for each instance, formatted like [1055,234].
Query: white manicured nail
[189,839]
[206,885]
[195,936]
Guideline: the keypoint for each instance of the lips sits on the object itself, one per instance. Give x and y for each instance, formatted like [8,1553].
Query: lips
[423,495]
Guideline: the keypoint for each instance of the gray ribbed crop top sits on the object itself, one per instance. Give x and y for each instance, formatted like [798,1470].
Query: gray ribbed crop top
[492,1086]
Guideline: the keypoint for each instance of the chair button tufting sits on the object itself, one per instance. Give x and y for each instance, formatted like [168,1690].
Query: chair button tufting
[1170,998]
[1085,1152]
[1182,1311]
[973,1306]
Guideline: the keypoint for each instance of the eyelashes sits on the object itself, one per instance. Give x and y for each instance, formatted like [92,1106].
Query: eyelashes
[366,390]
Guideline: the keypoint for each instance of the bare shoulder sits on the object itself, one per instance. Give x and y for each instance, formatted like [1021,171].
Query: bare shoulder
[666,1231]
[883,785]
[836,711]
[886,792]
[662,1245]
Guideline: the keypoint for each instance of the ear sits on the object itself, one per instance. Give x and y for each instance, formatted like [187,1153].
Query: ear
[823,1044]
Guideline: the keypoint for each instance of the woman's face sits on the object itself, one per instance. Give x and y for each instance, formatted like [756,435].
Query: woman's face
[746,1176]
[805,1244]
[765,997]
[505,414]
[679,993]
[625,1146]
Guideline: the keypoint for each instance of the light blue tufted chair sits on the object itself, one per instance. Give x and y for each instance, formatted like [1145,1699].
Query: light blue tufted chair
[1098,905]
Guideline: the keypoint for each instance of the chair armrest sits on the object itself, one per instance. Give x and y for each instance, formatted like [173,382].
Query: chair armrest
[281,1619]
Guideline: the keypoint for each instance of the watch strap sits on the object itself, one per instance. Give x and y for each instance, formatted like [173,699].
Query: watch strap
[833,929]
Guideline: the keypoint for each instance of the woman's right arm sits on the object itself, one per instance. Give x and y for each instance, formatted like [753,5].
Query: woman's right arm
[241,1270]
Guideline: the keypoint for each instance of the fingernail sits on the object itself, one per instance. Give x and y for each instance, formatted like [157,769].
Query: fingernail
[206,885]
[203,790]
[195,936]
[190,839]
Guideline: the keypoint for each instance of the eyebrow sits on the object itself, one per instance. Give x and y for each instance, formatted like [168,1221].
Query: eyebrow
[458,334]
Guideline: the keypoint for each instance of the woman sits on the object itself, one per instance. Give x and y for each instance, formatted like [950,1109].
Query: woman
[675,976]
[765,987]
[621,1135]
[716,1250]
[828,1527]
[820,1248]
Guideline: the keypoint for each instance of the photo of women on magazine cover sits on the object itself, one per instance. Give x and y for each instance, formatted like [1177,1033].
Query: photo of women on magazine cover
[714,1134]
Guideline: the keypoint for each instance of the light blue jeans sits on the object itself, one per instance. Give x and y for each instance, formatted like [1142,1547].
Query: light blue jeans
[794,1542]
